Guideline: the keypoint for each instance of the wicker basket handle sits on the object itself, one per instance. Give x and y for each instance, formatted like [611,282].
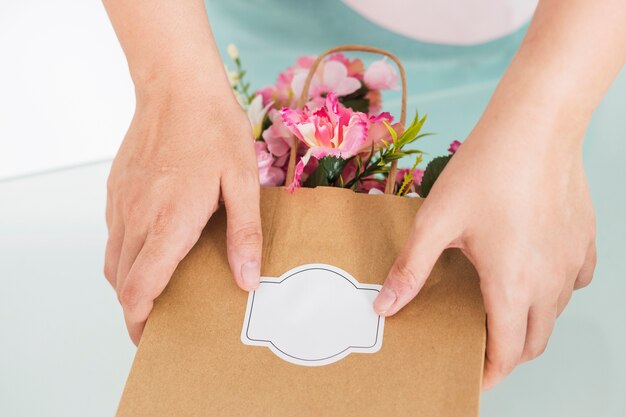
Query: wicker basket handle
[391,180]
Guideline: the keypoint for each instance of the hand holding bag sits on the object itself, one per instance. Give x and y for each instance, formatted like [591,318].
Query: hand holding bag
[191,360]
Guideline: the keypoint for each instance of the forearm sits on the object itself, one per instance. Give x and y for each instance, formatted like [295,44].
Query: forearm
[168,42]
[571,54]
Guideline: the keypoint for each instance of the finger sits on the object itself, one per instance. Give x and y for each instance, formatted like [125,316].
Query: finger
[244,235]
[586,272]
[150,273]
[132,243]
[541,320]
[564,297]
[507,317]
[412,267]
[108,214]
[114,243]
[112,252]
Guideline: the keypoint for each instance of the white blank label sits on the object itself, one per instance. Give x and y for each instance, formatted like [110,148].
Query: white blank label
[313,315]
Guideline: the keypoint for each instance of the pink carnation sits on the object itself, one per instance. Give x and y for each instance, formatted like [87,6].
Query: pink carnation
[332,130]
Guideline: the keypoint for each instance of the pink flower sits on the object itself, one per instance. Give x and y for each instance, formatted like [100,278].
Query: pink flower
[410,189]
[355,66]
[454,146]
[331,77]
[377,131]
[269,175]
[281,93]
[277,136]
[269,95]
[365,185]
[332,130]
[418,174]
[381,76]
[305,61]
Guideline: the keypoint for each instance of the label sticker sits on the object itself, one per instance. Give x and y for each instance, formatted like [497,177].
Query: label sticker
[313,315]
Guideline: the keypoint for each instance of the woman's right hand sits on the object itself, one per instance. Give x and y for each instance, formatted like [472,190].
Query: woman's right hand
[186,147]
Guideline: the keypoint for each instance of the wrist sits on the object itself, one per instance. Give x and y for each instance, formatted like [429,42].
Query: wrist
[183,85]
[181,73]
[530,117]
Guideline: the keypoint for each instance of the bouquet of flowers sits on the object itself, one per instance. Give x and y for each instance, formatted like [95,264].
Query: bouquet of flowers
[343,138]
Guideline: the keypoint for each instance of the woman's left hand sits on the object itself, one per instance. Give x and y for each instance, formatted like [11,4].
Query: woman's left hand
[526,222]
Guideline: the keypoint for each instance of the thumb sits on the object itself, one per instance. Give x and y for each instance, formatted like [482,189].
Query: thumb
[423,247]
[243,232]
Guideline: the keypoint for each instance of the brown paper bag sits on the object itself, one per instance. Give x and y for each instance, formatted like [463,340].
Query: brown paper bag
[191,360]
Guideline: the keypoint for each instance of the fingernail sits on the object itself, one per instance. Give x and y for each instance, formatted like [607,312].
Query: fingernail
[250,274]
[384,300]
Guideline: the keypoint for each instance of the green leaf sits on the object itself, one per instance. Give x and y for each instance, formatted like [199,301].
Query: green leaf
[418,161]
[432,172]
[411,134]
[359,163]
[404,187]
[356,100]
[317,178]
[394,157]
[423,135]
[327,172]
[392,132]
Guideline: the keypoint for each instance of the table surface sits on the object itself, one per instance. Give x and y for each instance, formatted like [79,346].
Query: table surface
[64,349]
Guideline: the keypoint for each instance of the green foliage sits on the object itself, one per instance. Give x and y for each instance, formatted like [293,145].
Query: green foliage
[408,178]
[242,87]
[433,170]
[328,172]
[379,163]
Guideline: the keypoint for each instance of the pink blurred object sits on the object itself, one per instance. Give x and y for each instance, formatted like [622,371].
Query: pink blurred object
[380,75]
[269,175]
[454,146]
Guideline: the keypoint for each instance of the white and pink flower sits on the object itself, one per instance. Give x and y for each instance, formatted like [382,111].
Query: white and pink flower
[256,114]
[331,77]
[380,75]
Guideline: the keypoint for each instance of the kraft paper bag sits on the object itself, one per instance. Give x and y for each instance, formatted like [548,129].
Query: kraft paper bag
[192,362]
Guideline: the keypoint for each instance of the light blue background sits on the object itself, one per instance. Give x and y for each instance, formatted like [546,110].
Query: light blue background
[63,345]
